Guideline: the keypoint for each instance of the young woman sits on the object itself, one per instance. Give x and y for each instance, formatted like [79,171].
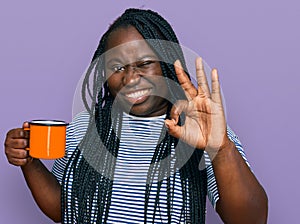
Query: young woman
[135,155]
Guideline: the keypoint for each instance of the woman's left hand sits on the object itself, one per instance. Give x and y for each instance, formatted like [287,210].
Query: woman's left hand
[205,124]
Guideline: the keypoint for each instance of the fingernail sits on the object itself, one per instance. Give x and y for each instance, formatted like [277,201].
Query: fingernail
[177,63]
[167,125]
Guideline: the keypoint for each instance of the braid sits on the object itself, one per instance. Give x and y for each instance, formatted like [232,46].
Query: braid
[91,188]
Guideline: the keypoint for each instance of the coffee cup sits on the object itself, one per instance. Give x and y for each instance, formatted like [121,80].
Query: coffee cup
[47,139]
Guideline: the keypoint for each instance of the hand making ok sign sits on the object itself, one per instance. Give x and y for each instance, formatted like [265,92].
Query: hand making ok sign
[205,124]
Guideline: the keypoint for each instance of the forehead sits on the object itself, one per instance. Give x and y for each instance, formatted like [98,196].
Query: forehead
[126,42]
[122,35]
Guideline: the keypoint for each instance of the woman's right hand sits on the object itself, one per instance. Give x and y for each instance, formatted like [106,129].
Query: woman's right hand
[43,185]
[15,146]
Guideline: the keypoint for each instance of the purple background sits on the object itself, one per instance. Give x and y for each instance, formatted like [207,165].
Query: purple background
[46,46]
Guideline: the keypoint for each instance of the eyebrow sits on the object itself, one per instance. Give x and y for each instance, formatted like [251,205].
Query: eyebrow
[118,60]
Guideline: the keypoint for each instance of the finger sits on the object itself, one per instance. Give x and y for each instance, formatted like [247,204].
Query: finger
[173,129]
[17,133]
[19,162]
[26,129]
[177,109]
[17,157]
[172,124]
[184,81]
[216,92]
[203,87]
[25,124]
[17,153]
[19,143]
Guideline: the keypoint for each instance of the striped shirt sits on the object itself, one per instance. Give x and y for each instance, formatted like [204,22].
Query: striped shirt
[138,139]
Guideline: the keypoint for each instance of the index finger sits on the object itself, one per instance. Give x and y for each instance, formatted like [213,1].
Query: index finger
[184,81]
[17,133]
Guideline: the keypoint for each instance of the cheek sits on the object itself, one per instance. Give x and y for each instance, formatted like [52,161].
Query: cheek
[164,91]
[113,85]
[161,85]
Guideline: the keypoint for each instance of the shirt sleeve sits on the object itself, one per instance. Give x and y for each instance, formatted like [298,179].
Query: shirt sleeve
[212,189]
[75,133]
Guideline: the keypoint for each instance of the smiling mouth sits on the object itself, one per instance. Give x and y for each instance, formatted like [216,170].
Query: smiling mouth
[138,94]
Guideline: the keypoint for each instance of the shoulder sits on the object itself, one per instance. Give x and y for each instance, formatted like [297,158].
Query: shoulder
[79,122]
[75,133]
[76,130]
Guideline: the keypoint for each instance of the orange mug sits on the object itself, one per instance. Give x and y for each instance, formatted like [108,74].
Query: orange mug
[47,139]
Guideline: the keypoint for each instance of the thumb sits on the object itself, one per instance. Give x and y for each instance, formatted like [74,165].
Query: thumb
[173,129]
[26,124]
[26,129]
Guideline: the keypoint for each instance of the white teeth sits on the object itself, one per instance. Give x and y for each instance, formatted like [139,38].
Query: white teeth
[138,94]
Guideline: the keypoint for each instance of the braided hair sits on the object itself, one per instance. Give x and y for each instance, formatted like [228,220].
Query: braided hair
[89,187]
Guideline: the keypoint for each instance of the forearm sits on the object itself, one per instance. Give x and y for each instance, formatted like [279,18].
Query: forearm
[44,188]
[242,198]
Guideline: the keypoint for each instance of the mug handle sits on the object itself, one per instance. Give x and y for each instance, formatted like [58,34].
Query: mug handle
[27,129]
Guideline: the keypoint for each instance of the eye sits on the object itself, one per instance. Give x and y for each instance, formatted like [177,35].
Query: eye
[144,63]
[118,68]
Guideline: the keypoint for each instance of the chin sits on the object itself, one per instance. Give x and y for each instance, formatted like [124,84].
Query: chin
[140,113]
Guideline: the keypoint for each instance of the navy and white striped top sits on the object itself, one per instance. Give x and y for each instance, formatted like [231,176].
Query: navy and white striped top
[138,139]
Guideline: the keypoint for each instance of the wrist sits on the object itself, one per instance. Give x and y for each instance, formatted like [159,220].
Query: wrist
[226,147]
[30,164]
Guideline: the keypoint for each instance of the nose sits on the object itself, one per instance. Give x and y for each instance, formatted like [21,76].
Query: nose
[132,76]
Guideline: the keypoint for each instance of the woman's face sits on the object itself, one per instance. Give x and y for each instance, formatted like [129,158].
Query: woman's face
[134,74]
